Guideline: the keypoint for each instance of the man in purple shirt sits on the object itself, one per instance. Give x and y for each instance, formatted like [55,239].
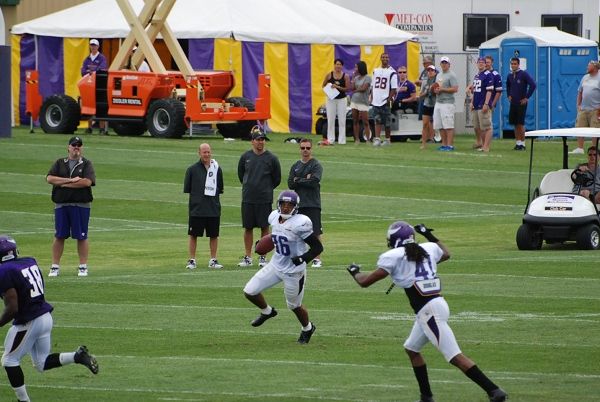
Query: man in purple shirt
[22,290]
[519,88]
[94,62]
[483,89]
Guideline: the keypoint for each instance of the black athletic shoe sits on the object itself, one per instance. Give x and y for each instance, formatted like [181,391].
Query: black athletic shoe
[83,357]
[425,398]
[263,317]
[305,335]
[498,395]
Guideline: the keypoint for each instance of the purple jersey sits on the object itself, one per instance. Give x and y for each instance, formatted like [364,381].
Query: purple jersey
[25,277]
[89,65]
[482,83]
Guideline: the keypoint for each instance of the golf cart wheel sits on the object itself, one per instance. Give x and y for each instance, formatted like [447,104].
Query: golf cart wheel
[166,118]
[60,114]
[528,238]
[588,237]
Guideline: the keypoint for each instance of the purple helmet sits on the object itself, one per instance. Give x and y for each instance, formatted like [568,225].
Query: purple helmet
[288,196]
[400,233]
[8,248]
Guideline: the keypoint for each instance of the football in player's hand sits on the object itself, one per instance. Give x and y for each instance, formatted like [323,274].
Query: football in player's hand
[264,245]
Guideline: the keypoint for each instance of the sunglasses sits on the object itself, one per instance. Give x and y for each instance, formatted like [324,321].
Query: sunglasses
[76,145]
[401,72]
[305,148]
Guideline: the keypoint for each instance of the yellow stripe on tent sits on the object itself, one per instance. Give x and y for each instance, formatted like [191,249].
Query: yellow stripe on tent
[276,61]
[15,72]
[371,54]
[412,56]
[228,57]
[75,51]
[321,57]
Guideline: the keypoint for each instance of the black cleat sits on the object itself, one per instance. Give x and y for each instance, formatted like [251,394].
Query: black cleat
[425,398]
[263,317]
[498,395]
[83,357]
[305,335]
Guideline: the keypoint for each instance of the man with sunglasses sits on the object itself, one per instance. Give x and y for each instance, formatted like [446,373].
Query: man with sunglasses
[72,179]
[406,93]
[305,179]
[593,191]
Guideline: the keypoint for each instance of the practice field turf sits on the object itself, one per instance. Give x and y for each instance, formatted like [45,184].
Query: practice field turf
[531,320]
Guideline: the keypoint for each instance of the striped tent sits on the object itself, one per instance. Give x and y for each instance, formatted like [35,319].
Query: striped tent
[295,42]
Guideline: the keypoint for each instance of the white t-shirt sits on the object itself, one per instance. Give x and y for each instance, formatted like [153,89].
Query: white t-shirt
[288,238]
[384,80]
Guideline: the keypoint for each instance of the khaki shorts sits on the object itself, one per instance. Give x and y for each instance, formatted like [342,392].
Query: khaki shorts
[482,120]
[443,116]
[359,106]
[587,118]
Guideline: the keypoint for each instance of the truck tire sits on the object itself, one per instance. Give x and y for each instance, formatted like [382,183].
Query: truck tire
[588,237]
[242,128]
[528,238]
[60,114]
[129,129]
[166,118]
[321,126]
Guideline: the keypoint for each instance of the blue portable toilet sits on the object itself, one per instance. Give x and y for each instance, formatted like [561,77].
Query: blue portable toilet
[556,61]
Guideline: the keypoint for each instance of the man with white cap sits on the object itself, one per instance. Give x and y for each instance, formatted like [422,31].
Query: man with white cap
[94,62]
[445,87]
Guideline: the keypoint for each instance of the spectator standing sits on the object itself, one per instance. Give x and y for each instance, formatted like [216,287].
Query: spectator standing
[383,92]
[483,90]
[337,106]
[305,179]
[406,94]
[445,87]
[22,289]
[295,246]
[259,172]
[427,98]
[413,267]
[489,64]
[359,103]
[204,183]
[72,179]
[588,103]
[427,61]
[94,62]
[519,88]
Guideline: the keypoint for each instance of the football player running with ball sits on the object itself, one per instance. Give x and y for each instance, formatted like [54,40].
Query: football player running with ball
[295,246]
[414,267]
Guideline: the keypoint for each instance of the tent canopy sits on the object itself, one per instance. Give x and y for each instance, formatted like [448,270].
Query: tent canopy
[306,21]
[543,36]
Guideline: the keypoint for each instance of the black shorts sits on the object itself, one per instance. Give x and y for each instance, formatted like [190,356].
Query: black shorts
[255,215]
[516,114]
[197,225]
[315,216]
[427,111]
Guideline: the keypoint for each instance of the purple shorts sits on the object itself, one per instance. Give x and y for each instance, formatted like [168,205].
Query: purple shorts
[71,221]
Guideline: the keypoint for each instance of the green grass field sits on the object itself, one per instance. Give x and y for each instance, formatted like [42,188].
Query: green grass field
[531,320]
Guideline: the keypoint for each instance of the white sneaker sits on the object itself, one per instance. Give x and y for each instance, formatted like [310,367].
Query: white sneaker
[191,264]
[245,262]
[376,142]
[316,263]
[213,263]
[577,151]
[54,271]
[262,261]
[82,271]
[386,143]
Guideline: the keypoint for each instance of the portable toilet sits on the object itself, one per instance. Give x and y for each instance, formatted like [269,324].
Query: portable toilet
[556,61]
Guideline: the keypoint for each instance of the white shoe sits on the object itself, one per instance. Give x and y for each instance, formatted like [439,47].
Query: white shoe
[386,143]
[376,142]
[213,263]
[245,262]
[191,264]
[82,271]
[577,151]
[262,261]
[54,271]
[316,263]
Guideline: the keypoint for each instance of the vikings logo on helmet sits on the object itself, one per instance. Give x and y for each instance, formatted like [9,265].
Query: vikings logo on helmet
[291,197]
[400,233]
[8,248]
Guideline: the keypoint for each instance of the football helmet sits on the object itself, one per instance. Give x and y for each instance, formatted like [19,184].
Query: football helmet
[400,233]
[8,248]
[291,197]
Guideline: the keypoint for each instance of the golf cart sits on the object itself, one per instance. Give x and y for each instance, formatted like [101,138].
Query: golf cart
[554,213]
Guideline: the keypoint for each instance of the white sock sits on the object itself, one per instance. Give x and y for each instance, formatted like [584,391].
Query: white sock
[56,266]
[21,393]
[308,327]
[83,266]
[66,358]
[267,311]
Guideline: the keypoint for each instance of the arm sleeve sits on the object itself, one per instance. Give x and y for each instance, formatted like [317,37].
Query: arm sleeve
[103,65]
[315,247]
[187,181]
[276,172]
[241,168]
[532,86]
[220,182]
[89,172]
[291,183]
[315,177]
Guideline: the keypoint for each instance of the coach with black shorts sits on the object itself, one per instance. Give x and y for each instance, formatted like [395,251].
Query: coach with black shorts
[519,88]
[204,183]
[259,172]
[305,179]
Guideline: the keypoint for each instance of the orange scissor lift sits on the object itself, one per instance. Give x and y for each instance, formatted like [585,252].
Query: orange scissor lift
[165,103]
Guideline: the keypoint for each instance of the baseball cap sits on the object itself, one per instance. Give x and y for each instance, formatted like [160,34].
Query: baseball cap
[481,59]
[94,42]
[445,59]
[431,67]
[258,134]
[75,140]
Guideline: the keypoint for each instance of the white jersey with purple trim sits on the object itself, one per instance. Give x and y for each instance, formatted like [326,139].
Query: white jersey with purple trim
[404,273]
[384,80]
[288,237]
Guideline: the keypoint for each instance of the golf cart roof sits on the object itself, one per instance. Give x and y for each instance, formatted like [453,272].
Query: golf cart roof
[566,132]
